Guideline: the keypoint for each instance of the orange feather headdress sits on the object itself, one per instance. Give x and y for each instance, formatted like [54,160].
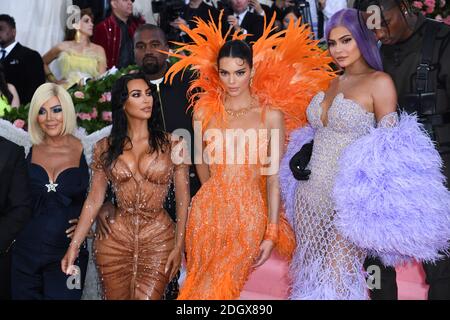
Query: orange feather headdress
[289,69]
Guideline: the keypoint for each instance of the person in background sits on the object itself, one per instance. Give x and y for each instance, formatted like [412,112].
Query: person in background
[79,58]
[115,34]
[8,94]
[24,68]
[414,52]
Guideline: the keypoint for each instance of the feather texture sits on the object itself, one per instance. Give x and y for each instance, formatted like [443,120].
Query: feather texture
[390,194]
[289,70]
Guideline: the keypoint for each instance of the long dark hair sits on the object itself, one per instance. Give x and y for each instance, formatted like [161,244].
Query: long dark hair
[4,90]
[158,140]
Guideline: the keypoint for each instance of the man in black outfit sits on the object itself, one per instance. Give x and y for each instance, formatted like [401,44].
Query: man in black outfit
[195,8]
[415,53]
[241,19]
[15,206]
[24,67]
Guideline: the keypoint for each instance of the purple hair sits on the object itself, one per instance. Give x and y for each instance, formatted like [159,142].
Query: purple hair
[365,39]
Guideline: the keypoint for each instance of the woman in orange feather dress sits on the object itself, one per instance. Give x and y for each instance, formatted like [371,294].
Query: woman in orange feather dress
[235,220]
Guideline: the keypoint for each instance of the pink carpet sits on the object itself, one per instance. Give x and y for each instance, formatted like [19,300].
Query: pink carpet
[269,282]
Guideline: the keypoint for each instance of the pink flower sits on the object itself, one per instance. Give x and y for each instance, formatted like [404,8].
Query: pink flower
[94,113]
[106,97]
[19,123]
[431,4]
[418,4]
[79,95]
[84,116]
[102,99]
[447,20]
[107,116]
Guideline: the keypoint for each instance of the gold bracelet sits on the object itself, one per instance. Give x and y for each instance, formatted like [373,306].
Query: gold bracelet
[272,231]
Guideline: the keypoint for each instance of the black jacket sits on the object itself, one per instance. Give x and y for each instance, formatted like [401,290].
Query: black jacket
[203,12]
[401,60]
[24,69]
[252,22]
[15,197]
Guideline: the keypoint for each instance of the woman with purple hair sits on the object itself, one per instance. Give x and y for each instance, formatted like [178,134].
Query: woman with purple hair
[365,189]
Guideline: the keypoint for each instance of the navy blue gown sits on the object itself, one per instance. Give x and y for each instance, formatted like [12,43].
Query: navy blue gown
[39,248]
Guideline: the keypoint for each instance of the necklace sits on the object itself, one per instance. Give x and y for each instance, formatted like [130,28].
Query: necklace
[241,112]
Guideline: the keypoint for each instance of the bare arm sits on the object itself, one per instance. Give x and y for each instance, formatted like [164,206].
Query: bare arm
[15,103]
[50,56]
[202,168]
[102,62]
[182,198]
[277,138]
[91,207]
[384,95]
[275,121]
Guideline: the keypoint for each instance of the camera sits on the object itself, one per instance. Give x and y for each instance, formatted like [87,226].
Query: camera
[169,10]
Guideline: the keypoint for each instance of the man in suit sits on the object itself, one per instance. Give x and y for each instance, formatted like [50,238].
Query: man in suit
[241,19]
[15,206]
[24,67]
[191,10]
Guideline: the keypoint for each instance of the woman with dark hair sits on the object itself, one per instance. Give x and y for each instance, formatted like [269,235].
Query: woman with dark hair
[143,252]
[249,98]
[241,199]
[365,190]
[78,57]
[8,94]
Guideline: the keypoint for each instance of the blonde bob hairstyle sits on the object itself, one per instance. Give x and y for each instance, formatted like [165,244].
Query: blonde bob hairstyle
[44,93]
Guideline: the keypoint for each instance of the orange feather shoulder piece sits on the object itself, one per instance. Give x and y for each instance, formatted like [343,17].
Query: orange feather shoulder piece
[289,69]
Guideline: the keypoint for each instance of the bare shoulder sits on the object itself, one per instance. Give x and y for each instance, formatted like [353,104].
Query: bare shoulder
[65,45]
[384,94]
[274,118]
[382,82]
[97,48]
[75,143]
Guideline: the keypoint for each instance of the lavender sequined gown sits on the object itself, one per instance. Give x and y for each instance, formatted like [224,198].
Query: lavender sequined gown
[325,265]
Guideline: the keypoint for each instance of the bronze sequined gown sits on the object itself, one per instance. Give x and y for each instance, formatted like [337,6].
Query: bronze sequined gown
[132,259]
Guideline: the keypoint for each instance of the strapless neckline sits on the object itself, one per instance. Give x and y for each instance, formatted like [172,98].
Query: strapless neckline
[339,97]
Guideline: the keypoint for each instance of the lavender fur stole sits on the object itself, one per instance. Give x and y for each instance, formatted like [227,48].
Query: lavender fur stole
[288,183]
[390,194]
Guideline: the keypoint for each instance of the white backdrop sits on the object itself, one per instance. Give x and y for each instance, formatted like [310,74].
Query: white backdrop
[40,24]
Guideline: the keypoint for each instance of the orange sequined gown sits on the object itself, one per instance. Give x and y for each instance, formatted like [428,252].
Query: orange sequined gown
[132,259]
[228,218]
[226,226]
